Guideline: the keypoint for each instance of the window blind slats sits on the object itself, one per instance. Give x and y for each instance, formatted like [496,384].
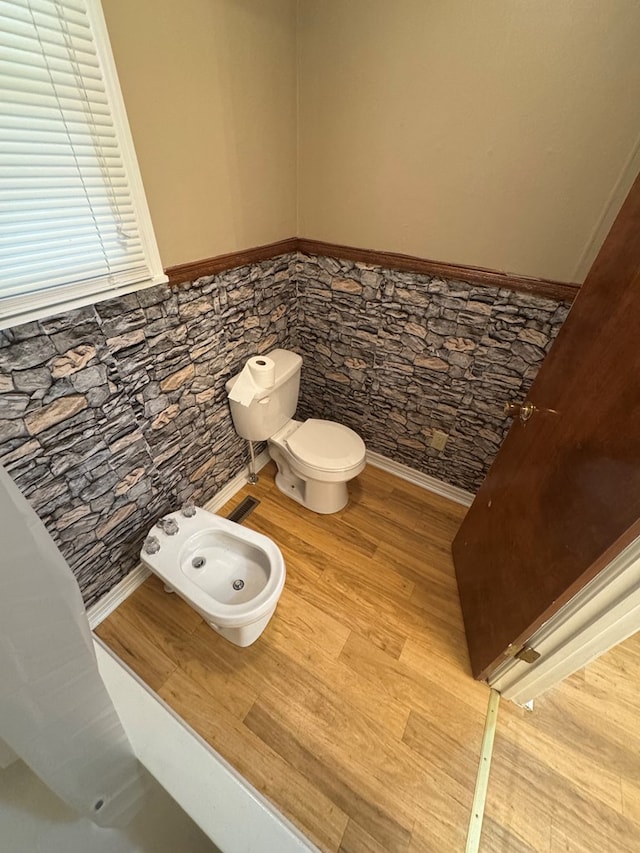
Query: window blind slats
[67,214]
[68,169]
[26,41]
[41,133]
[119,274]
[12,228]
[72,11]
[69,210]
[116,239]
[37,197]
[80,255]
[48,25]
[28,150]
[60,89]
[18,56]
[20,105]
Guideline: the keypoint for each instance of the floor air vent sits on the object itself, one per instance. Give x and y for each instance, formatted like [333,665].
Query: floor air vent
[244,508]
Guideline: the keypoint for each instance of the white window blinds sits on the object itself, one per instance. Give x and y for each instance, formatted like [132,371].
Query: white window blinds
[73,221]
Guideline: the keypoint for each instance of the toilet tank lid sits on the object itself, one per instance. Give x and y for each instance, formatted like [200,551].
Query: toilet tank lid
[326,445]
[286,361]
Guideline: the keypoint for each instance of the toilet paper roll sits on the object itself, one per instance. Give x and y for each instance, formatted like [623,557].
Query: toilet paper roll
[263,371]
[257,375]
[244,388]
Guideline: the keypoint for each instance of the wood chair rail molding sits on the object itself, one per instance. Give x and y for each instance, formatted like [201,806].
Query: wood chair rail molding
[561,291]
[192,270]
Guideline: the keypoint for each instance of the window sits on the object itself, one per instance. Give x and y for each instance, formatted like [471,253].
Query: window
[74,224]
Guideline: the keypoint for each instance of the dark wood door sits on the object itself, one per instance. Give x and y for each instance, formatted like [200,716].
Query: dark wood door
[563,495]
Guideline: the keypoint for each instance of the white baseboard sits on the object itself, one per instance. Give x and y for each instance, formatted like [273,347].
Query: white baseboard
[438,487]
[117,594]
[112,599]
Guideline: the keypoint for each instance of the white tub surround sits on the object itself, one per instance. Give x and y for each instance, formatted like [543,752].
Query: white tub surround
[225,806]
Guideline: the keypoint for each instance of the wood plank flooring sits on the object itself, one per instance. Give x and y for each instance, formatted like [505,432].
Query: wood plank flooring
[355,712]
[567,776]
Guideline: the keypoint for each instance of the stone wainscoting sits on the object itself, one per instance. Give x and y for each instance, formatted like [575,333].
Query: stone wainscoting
[396,355]
[114,414]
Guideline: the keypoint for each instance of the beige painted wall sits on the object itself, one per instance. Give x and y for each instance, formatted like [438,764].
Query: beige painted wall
[210,91]
[489,133]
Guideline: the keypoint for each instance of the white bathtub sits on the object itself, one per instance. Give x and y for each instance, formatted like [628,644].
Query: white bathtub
[225,806]
[34,820]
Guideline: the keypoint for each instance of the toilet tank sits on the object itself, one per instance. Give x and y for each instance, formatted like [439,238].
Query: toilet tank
[271,408]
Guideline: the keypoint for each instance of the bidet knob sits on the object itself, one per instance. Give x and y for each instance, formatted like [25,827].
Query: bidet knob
[168,525]
[151,545]
[189,509]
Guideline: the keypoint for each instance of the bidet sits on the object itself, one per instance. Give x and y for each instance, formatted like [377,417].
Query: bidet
[229,574]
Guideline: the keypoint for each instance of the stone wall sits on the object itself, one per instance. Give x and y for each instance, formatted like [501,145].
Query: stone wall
[397,355]
[114,414]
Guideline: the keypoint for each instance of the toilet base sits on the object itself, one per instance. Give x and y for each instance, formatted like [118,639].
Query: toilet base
[323,498]
[244,635]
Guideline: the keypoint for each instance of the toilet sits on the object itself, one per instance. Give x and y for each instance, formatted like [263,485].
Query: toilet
[230,575]
[315,458]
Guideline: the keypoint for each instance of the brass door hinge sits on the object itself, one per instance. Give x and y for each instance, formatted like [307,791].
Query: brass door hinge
[524,653]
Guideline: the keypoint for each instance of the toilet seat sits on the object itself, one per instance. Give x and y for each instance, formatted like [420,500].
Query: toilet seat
[326,445]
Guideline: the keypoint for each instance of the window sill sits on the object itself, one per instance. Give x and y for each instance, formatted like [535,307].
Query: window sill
[14,311]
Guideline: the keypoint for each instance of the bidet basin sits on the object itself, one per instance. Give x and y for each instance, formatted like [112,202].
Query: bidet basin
[224,566]
[230,574]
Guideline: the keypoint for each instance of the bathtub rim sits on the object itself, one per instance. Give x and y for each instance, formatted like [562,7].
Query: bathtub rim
[226,807]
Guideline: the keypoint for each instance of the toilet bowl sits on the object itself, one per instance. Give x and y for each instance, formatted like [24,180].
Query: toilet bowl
[315,458]
[230,575]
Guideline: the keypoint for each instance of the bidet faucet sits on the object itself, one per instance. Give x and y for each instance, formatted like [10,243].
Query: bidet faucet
[188,509]
[168,525]
[151,545]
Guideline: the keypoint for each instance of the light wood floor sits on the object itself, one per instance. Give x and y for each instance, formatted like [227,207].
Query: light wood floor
[339,713]
[567,776]
[355,712]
